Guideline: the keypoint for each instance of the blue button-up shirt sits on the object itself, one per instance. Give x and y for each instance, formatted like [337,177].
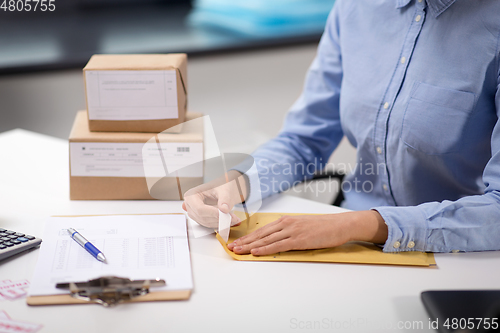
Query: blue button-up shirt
[414,86]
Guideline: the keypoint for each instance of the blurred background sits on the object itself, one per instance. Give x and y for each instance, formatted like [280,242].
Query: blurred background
[246,59]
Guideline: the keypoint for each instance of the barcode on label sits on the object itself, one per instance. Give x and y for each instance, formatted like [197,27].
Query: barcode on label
[183,149]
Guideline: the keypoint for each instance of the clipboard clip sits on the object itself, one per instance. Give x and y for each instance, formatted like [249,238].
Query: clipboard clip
[110,290]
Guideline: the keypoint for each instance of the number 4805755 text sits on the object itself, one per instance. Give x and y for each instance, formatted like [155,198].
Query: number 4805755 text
[28,5]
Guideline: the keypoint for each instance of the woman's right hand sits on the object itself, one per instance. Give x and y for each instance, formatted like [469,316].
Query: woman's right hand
[203,202]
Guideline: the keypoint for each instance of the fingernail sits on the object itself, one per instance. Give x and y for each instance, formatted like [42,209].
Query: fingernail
[255,251]
[238,248]
[225,207]
[238,219]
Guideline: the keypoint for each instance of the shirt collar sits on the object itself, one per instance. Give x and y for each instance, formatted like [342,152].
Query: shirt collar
[437,6]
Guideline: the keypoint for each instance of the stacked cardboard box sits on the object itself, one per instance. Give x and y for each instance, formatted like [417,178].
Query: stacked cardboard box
[136,112]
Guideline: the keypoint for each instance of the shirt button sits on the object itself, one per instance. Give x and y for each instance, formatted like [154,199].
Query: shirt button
[455,251]
[418,18]
[379,150]
[385,187]
[419,0]
[403,60]
[411,244]
[386,105]
[397,245]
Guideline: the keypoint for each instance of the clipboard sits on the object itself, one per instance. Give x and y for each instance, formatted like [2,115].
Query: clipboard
[350,253]
[149,296]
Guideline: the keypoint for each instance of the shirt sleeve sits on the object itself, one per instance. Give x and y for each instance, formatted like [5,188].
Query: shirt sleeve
[312,127]
[469,224]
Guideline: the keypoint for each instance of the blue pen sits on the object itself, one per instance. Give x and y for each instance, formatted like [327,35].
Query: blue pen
[94,251]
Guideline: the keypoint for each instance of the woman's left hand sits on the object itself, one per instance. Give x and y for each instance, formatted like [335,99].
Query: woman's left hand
[306,232]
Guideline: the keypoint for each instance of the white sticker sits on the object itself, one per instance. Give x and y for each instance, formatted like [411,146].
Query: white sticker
[224,225]
[111,159]
[131,95]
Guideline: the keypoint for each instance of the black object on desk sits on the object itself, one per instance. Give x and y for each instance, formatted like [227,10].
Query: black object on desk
[12,243]
[463,310]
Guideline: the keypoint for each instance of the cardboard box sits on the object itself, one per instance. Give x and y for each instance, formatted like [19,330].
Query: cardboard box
[136,93]
[109,166]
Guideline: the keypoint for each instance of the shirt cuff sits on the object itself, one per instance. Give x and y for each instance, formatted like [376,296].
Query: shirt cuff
[253,200]
[407,228]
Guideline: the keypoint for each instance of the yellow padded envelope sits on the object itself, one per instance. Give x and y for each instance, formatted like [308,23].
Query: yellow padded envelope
[352,252]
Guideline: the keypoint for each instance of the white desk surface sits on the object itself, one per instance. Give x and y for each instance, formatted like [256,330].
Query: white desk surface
[228,295]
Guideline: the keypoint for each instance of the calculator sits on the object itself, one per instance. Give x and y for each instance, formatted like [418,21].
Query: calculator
[12,242]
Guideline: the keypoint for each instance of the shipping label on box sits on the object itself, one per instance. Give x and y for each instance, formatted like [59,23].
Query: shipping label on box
[112,159]
[132,95]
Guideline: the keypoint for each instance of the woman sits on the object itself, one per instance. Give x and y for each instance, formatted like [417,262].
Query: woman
[415,87]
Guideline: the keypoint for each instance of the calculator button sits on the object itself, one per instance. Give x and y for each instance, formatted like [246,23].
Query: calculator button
[2,247]
[12,236]
[10,232]
[5,239]
[29,237]
[8,244]
[15,242]
[2,230]
[3,234]
[22,239]
[18,234]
